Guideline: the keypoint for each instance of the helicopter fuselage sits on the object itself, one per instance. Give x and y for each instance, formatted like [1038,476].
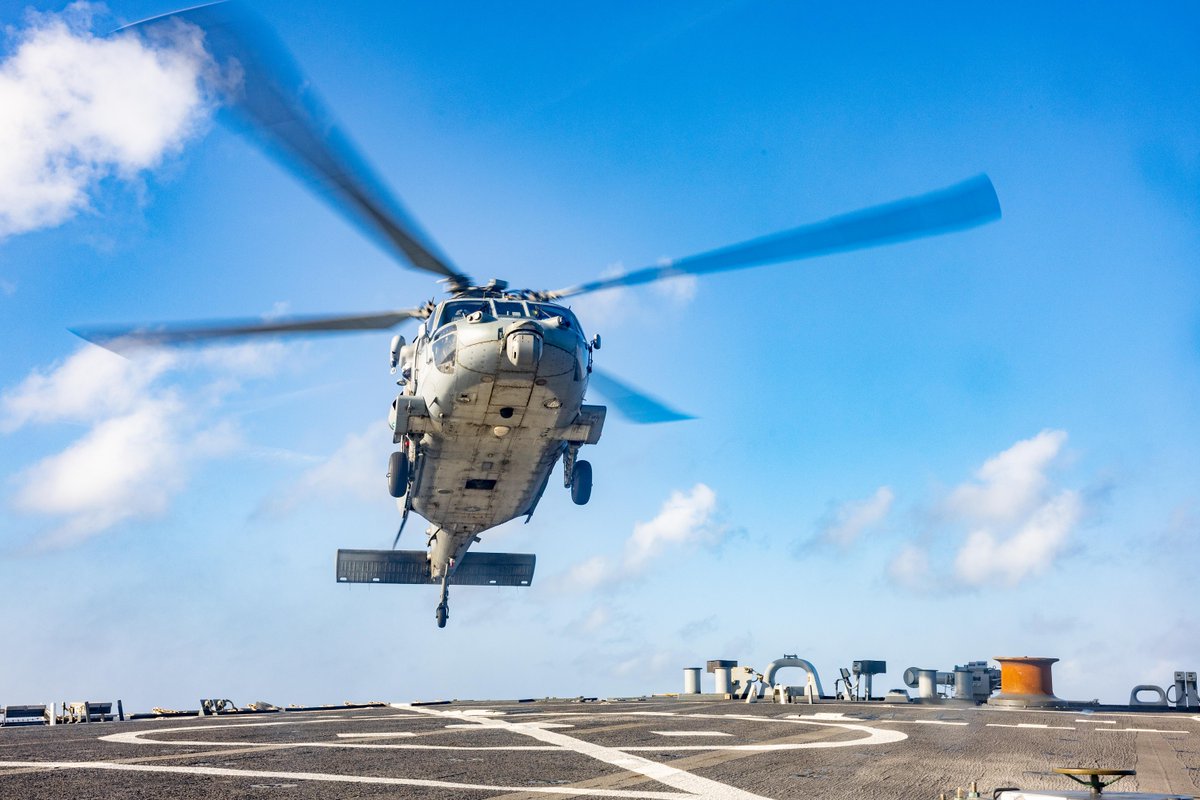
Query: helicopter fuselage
[492,398]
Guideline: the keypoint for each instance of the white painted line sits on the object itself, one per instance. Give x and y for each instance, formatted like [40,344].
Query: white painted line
[1033,726]
[985,709]
[694,786]
[736,748]
[323,721]
[920,722]
[535,723]
[691,733]
[874,735]
[1099,721]
[332,778]
[663,773]
[1138,730]
[375,735]
[139,737]
[843,717]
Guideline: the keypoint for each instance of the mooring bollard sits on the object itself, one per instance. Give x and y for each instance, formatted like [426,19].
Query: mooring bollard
[1026,682]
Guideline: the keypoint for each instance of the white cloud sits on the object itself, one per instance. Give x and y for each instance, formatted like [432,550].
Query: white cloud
[596,620]
[1018,523]
[591,573]
[1010,485]
[610,306]
[685,518]
[79,109]
[122,468]
[1007,524]
[141,438]
[357,469]
[92,383]
[620,303]
[679,290]
[279,309]
[909,568]
[851,519]
[985,557]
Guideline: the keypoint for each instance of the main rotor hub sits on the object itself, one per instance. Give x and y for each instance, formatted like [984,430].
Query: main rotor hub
[496,289]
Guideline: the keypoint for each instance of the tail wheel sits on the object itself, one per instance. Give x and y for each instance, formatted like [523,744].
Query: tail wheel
[581,483]
[398,474]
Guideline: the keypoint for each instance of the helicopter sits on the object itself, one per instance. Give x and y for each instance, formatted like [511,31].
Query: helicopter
[493,385]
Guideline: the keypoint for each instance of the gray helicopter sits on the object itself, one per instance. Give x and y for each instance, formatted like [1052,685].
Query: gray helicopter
[493,385]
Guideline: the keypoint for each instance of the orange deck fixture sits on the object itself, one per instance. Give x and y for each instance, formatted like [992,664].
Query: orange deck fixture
[1026,681]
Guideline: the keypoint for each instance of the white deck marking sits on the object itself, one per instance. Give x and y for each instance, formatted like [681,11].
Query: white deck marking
[1138,730]
[689,786]
[536,723]
[333,778]
[398,735]
[1139,714]
[874,735]
[1034,726]
[736,748]
[1099,721]
[663,773]
[839,717]
[139,737]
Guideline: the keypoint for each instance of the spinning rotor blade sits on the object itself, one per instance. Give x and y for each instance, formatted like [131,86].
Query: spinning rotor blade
[287,118]
[632,404]
[964,205]
[126,337]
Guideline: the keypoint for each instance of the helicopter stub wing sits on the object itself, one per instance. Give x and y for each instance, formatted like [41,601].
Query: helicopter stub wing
[412,567]
[963,205]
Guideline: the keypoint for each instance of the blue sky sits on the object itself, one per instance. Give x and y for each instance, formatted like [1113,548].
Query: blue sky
[975,445]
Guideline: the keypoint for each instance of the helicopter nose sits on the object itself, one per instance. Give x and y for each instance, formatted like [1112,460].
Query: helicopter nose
[523,347]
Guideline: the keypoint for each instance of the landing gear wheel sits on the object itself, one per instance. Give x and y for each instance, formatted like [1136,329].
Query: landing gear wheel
[398,474]
[581,483]
[442,614]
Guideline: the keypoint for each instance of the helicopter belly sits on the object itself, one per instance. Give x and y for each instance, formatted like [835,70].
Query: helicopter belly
[497,430]
[469,484]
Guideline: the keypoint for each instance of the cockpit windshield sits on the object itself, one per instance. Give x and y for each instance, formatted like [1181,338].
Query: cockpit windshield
[458,309]
[509,308]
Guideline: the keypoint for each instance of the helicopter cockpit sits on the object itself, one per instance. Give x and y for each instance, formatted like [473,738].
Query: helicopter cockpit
[453,310]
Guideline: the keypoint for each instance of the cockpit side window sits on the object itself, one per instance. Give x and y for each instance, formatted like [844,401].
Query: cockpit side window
[548,310]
